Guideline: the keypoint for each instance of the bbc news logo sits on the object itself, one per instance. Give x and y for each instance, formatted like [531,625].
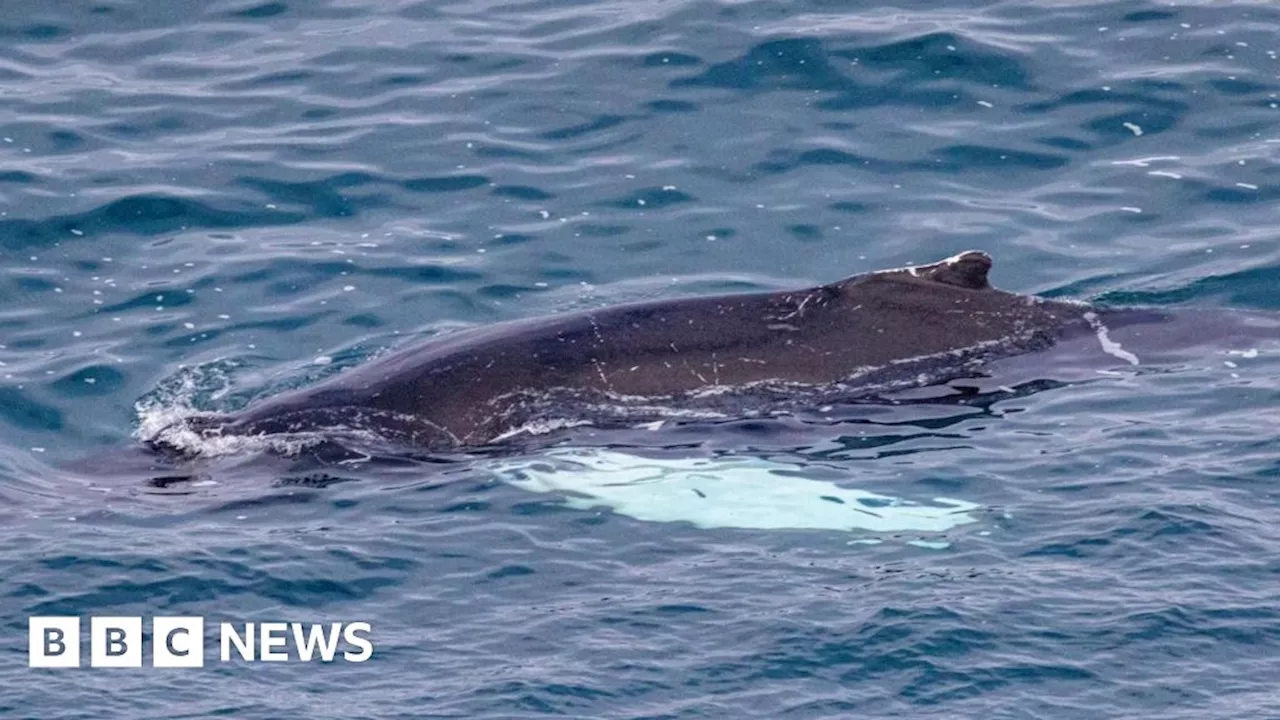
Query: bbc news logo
[179,642]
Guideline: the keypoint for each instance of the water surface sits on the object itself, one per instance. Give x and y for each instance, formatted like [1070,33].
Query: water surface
[201,205]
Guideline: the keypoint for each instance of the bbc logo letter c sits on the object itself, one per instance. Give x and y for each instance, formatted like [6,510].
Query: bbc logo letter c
[177,642]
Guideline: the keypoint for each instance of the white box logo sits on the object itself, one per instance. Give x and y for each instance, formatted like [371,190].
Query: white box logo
[115,642]
[53,642]
[177,642]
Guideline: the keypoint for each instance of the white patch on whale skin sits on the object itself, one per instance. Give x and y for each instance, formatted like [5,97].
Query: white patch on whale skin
[959,352]
[1109,346]
[732,492]
[539,427]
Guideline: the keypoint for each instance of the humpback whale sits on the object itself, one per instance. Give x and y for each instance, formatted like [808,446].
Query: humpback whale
[740,353]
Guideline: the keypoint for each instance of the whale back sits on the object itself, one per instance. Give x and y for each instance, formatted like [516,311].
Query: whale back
[908,325]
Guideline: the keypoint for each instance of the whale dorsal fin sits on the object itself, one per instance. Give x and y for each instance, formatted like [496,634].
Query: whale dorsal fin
[967,270]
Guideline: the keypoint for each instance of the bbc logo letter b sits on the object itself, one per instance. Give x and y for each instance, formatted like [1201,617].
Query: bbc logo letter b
[115,642]
[53,642]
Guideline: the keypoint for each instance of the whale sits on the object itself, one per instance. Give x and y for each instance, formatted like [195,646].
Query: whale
[727,355]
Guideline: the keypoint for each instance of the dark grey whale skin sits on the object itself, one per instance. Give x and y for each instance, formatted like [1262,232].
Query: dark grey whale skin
[467,388]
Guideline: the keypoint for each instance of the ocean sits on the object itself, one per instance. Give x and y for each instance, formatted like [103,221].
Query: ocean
[206,204]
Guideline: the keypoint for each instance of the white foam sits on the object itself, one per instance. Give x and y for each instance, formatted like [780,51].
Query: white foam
[161,414]
[727,492]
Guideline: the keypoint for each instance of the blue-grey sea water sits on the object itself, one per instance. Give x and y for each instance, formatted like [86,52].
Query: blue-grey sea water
[206,203]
